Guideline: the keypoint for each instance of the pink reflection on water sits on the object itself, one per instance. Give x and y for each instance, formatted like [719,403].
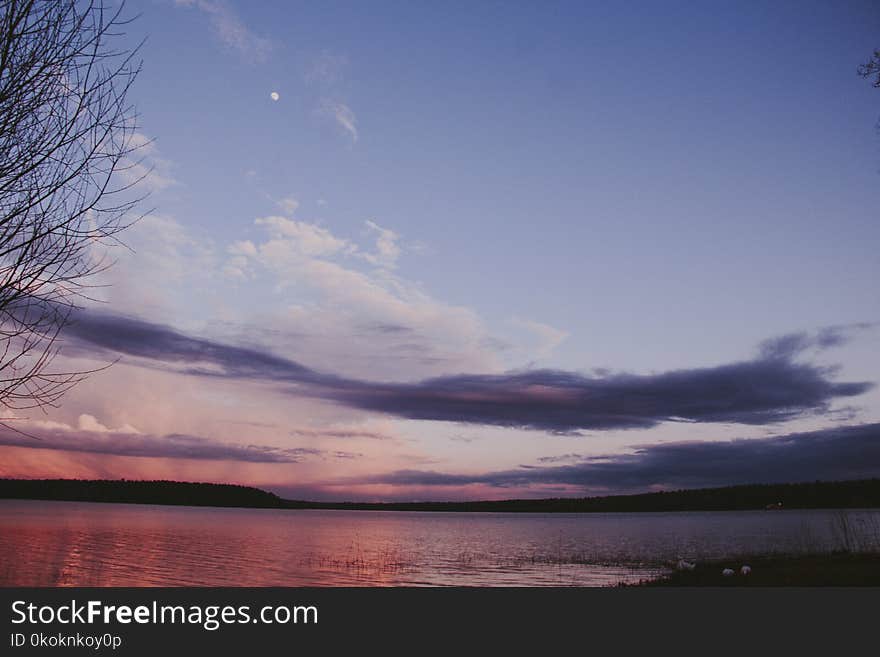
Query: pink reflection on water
[83,544]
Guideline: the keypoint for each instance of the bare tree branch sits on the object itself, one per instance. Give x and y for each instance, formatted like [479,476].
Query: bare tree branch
[66,141]
[871,68]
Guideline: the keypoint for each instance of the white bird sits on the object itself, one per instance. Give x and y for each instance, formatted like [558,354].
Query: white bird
[727,572]
[745,570]
[686,565]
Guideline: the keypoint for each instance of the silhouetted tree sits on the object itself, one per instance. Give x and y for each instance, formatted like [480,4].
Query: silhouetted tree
[871,68]
[67,136]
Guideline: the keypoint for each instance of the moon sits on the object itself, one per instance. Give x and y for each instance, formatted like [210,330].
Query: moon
[274,95]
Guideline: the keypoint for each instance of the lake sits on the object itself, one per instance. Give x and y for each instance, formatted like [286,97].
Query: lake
[89,544]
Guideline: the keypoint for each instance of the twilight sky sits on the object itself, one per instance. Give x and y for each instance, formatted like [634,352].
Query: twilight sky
[488,250]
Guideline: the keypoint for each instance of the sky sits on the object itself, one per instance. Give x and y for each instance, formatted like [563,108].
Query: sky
[412,251]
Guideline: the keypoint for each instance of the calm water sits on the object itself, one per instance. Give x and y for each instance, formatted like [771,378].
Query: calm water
[83,544]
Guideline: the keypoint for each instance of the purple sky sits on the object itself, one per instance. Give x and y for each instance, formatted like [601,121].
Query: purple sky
[406,251]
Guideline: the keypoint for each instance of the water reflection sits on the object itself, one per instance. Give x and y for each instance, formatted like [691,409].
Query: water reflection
[82,544]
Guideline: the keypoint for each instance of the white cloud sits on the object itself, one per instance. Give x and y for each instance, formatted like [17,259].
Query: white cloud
[230,29]
[304,292]
[90,423]
[243,248]
[165,268]
[143,166]
[357,321]
[288,205]
[289,235]
[387,248]
[85,422]
[238,265]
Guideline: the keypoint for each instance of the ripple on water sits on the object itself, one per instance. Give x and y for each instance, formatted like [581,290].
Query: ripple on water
[79,544]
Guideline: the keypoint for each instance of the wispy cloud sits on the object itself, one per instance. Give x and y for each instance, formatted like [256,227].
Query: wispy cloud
[230,29]
[387,329]
[794,344]
[325,69]
[548,336]
[342,115]
[177,446]
[561,458]
[324,73]
[288,205]
[340,433]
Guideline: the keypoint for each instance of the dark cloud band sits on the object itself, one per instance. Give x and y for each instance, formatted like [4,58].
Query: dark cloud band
[770,388]
[178,446]
[849,452]
[753,392]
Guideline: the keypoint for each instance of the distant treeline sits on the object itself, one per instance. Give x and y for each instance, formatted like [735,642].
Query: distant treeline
[864,493]
[138,492]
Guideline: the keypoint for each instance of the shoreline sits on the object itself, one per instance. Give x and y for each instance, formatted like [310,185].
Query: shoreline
[849,569]
[370,509]
[855,494]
